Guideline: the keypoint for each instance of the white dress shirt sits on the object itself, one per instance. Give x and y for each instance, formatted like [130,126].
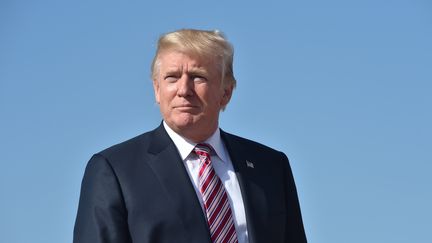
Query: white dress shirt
[224,169]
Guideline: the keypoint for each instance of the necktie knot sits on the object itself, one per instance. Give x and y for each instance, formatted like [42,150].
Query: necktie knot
[203,151]
[203,147]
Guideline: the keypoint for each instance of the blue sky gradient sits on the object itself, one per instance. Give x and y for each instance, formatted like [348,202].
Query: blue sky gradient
[342,87]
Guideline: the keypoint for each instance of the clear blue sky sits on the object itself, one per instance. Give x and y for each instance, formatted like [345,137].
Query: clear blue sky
[344,88]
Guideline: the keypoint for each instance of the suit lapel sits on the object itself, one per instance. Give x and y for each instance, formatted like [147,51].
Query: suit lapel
[172,174]
[247,171]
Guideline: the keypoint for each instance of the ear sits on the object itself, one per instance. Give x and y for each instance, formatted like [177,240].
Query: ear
[156,90]
[226,96]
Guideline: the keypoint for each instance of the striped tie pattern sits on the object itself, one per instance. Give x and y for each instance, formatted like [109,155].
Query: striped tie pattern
[218,210]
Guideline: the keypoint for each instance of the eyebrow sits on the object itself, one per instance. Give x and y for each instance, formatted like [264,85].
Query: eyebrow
[192,71]
[198,71]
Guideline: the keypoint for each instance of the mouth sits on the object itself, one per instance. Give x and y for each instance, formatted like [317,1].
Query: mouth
[185,107]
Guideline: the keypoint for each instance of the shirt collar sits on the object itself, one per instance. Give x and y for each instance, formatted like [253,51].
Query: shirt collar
[185,146]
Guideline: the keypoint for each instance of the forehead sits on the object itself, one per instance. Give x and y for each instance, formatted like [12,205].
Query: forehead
[172,59]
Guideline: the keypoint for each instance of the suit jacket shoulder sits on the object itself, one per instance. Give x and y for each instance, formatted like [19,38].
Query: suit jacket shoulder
[255,152]
[247,143]
[130,148]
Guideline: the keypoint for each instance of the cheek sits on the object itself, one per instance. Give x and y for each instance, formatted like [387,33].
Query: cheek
[214,102]
[166,93]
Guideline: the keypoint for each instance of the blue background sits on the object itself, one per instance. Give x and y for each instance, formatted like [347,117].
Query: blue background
[342,87]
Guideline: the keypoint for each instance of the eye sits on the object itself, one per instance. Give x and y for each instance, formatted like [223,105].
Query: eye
[171,78]
[199,79]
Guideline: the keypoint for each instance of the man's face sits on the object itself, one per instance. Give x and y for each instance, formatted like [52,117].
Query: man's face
[189,92]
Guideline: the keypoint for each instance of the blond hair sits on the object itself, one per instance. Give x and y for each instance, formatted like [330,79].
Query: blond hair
[203,43]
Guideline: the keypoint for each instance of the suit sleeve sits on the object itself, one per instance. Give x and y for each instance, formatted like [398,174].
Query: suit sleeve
[295,230]
[102,215]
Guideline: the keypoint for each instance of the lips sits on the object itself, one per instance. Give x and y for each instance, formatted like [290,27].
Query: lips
[186,108]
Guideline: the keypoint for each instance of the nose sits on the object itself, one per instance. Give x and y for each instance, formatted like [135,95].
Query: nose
[185,86]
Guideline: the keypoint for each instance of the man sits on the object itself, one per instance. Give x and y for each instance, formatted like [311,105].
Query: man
[187,180]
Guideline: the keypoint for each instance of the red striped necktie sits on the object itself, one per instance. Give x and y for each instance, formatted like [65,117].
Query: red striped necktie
[217,207]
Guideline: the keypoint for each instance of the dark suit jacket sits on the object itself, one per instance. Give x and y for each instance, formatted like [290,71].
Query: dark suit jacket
[139,191]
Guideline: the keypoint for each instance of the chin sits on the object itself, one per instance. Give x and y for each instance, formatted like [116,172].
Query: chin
[183,122]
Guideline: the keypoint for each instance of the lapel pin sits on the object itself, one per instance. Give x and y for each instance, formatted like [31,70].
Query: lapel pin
[249,164]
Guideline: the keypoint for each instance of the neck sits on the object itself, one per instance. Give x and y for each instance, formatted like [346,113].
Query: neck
[193,134]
